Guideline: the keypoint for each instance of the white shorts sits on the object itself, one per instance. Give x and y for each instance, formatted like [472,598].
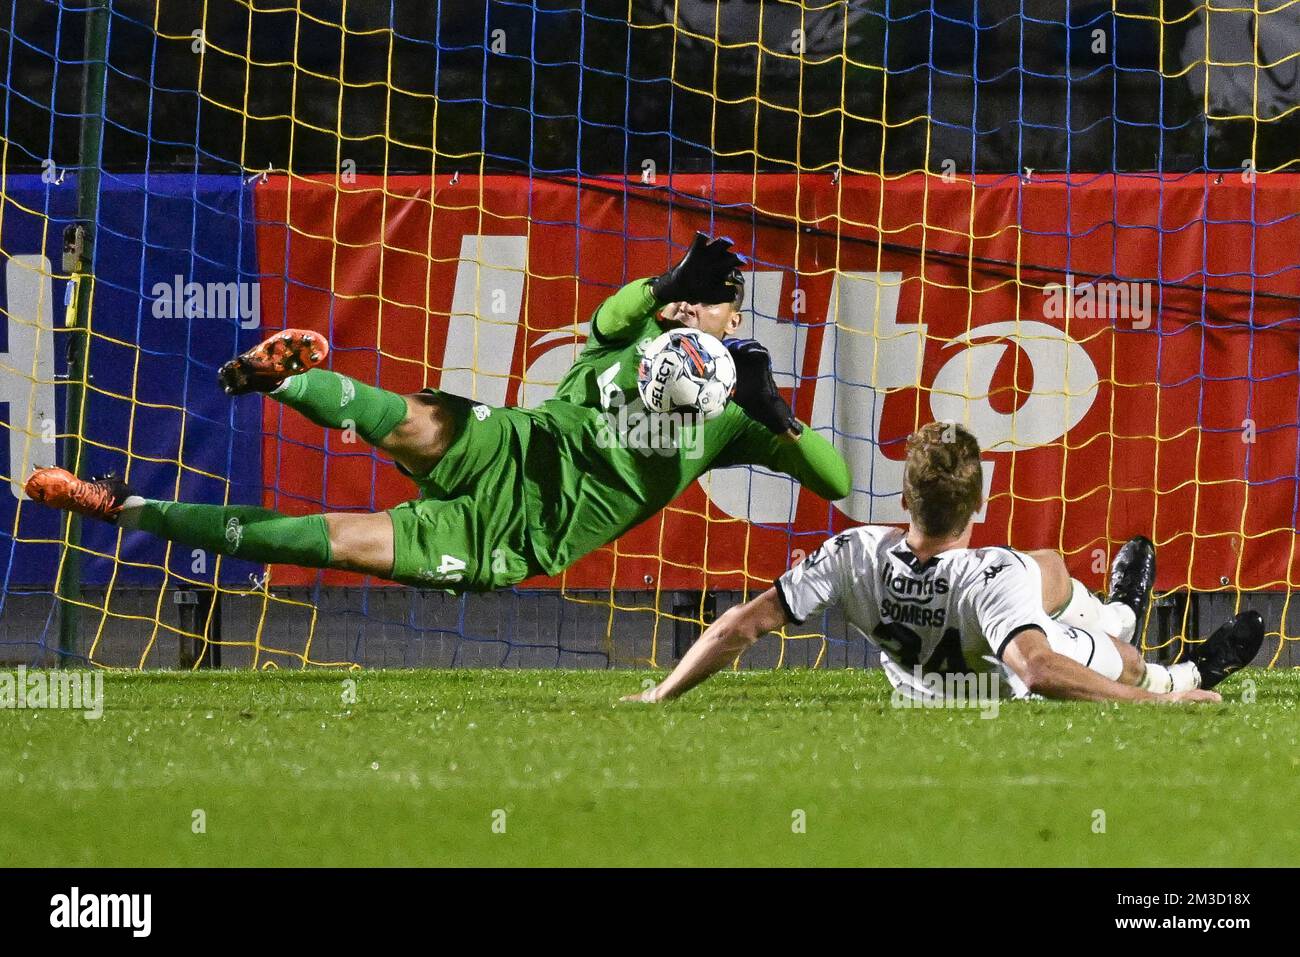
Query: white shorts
[1094,651]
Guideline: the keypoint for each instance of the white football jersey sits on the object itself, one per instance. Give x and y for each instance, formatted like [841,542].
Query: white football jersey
[952,614]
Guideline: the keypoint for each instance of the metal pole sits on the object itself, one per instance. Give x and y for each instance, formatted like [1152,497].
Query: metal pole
[79,257]
[688,605]
[200,616]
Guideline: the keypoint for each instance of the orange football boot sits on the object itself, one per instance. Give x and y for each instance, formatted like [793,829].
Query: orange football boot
[100,498]
[269,363]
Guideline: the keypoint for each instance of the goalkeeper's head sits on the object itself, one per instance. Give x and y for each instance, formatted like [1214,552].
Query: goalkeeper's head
[943,485]
[719,320]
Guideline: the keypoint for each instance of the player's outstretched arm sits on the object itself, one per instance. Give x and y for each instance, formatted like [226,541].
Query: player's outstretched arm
[816,464]
[1053,675]
[782,443]
[735,630]
[705,274]
[806,456]
[621,315]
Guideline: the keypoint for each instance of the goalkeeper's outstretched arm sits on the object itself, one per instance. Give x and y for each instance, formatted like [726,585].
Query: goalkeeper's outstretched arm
[621,315]
[812,460]
[708,273]
[778,440]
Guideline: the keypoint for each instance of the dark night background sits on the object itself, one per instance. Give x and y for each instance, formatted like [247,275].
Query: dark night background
[1007,83]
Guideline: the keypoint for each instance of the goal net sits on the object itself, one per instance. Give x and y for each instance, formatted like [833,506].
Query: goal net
[1076,233]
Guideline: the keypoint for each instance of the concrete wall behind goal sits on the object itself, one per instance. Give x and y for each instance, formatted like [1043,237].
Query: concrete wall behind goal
[406,628]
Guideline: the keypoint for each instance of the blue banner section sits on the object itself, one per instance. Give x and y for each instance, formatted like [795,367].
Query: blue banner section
[175,296]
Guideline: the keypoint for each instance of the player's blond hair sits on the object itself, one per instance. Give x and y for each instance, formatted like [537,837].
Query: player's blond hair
[942,480]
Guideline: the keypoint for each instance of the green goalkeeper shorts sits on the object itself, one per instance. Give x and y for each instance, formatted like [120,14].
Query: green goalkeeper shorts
[468,532]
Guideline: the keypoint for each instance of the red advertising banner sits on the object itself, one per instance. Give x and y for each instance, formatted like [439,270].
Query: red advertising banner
[1125,348]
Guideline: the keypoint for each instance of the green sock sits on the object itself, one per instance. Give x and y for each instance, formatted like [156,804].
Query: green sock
[337,402]
[245,531]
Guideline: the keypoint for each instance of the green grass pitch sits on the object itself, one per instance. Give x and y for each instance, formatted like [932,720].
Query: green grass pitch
[417,769]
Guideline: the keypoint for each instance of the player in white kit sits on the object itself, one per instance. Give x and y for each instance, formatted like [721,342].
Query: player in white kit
[936,607]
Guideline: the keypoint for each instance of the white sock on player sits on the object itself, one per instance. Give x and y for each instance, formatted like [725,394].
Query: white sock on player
[1085,610]
[1122,619]
[1161,679]
[129,517]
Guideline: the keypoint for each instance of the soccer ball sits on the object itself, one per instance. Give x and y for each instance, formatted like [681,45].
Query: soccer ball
[686,370]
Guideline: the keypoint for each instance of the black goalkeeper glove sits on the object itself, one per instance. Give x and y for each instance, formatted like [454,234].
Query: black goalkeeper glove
[756,392]
[707,274]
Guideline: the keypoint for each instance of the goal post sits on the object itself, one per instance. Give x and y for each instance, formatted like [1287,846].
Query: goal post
[78,258]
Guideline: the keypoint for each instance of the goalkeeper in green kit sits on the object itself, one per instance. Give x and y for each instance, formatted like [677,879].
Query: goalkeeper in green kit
[504,493]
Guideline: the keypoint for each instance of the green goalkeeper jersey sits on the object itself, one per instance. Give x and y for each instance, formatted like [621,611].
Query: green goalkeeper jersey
[598,463]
